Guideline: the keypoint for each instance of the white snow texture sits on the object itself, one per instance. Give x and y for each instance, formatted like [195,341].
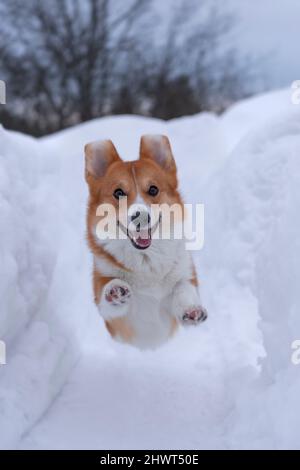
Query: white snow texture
[227,384]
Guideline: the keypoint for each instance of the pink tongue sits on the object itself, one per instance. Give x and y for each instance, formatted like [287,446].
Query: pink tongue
[143,241]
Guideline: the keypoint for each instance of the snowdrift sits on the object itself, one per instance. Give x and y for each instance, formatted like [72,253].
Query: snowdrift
[254,201]
[228,384]
[41,316]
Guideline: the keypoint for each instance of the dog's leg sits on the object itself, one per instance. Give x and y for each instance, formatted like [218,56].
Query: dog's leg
[113,299]
[112,296]
[186,303]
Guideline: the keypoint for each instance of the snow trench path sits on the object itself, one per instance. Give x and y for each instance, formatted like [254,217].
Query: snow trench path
[179,395]
[175,397]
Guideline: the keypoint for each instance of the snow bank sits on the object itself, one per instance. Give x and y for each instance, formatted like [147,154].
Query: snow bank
[277,274]
[41,313]
[253,113]
[252,237]
[18,171]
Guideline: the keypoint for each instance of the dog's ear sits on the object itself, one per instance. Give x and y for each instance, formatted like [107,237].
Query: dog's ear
[158,148]
[99,156]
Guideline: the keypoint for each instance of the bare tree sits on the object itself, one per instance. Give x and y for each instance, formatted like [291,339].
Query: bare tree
[60,56]
[195,69]
[68,61]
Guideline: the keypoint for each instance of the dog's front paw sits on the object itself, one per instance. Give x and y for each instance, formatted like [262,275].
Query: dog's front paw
[117,292]
[194,315]
[115,299]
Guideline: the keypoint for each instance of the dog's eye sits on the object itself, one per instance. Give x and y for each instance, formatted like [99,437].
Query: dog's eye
[119,193]
[153,190]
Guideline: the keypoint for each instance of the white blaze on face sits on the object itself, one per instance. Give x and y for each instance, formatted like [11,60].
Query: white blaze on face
[139,220]
[139,224]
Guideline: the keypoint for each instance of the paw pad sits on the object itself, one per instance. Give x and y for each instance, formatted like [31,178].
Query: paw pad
[194,315]
[117,294]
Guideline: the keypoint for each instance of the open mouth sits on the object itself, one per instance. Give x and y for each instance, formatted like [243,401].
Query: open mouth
[141,238]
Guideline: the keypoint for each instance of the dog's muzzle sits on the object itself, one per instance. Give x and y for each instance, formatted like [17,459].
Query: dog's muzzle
[139,229]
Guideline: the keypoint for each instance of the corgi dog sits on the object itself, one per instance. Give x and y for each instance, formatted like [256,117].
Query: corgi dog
[144,285]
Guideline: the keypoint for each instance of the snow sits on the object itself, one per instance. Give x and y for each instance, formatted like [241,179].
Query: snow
[229,383]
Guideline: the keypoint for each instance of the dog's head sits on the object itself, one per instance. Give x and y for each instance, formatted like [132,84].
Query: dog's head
[131,188]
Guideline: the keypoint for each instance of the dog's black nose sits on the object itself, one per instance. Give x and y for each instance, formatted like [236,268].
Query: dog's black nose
[140,218]
[135,216]
[144,217]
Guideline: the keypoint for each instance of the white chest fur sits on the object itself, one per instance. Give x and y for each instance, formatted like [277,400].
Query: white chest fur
[153,276]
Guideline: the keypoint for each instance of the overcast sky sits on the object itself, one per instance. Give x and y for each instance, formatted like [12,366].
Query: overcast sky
[271,28]
[265,28]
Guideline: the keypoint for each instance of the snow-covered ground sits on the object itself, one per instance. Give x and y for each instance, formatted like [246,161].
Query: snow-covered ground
[230,383]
